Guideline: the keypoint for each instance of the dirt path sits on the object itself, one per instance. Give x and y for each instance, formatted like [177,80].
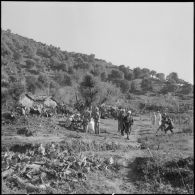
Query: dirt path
[122,182]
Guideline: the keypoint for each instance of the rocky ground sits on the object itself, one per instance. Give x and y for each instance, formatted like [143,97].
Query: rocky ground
[79,162]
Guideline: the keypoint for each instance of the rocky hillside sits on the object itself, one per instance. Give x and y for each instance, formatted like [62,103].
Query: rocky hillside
[31,66]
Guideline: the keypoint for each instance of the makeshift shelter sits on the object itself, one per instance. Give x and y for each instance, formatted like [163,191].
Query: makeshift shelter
[26,101]
[48,102]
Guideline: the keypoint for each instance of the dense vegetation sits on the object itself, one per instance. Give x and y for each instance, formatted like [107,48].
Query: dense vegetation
[30,66]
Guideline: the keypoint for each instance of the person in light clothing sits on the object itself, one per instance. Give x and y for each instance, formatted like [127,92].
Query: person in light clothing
[86,120]
[158,118]
[153,119]
[97,120]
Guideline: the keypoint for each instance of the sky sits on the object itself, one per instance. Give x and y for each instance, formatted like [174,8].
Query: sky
[158,36]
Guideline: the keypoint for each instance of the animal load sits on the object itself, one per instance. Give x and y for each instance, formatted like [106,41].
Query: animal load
[74,122]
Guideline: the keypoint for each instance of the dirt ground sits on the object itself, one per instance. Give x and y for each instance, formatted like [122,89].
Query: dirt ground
[48,130]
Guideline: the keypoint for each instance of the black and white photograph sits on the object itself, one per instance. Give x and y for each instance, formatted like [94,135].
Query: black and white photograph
[97,97]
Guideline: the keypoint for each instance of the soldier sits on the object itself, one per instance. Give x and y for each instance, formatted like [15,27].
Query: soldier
[170,125]
[97,120]
[158,118]
[163,122]
[86,119]
[153,119]
[121,116]
[128,122]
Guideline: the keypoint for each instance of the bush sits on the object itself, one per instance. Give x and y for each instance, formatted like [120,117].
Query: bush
[188,129]
[31,84]
[172,173]
[15,90]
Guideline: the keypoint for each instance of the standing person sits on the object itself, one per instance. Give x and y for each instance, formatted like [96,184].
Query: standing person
[153,119]
[163,122]
[119,119]
[170,127]
[158,118]
[97,120]
[128,122]
[86,119]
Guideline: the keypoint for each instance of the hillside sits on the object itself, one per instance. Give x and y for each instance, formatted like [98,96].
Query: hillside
[32,66]
[73,161]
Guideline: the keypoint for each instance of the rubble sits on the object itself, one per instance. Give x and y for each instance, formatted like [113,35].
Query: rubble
[38,169]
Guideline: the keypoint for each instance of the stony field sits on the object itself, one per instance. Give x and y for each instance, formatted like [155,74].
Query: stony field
[89,163]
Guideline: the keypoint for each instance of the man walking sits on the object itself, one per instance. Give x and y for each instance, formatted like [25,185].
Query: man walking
[119,118]
[153,119]
[158,118]
[163,122]
[170,125]
[97,120]
[128,122]
[86,119]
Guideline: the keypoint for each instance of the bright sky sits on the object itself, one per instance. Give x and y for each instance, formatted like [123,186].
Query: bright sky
[158,36]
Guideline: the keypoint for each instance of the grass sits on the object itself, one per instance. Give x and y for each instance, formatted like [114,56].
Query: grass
[156,176]
[169,169]
[147,174]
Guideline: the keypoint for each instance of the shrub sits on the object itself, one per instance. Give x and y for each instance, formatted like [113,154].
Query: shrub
[177,174]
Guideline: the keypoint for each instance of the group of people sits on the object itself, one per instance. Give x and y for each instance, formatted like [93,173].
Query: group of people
[163,121]
[125,122]
[88,115]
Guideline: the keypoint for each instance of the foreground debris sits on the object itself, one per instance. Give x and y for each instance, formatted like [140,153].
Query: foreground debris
[47,168]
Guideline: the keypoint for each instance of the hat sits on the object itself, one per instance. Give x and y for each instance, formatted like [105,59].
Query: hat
[129,112]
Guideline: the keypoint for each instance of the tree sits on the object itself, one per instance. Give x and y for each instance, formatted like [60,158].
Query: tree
[146,73]
[70,70]
[153,73]
[186,88]
[133,87]
[124,86]
[103,76]
[146,84]
[108,93]
[88,89]
[31,84]
[67,80]
[129,76]
[96,71]
[15,90]
[137,72]
[173,76]
[63,79]
[30,63]
[116,74]
[53,88]
[160,76]
[170,86]
[43,80]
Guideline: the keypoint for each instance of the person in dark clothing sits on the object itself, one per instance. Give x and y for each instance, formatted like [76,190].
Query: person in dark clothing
[121,116]
[170,125]
[127,122]
[163,122]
